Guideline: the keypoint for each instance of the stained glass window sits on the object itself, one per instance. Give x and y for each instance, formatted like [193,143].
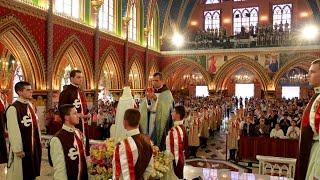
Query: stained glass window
[106,15]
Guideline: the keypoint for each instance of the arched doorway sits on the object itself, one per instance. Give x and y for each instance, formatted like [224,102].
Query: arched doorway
[136,75]
[241,69]
[20,57]
[184,76]
[293,74]
[71,55]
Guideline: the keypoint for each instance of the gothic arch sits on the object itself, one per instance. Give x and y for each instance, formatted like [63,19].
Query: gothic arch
[303,61]
[183,64]
[153,68]
[236,63]
[74,52]
[16,38]
[136,70]
[110,60]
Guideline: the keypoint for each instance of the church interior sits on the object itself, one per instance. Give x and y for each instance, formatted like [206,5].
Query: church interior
[221,59]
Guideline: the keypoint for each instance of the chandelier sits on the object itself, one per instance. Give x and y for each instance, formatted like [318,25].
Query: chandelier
[295,76]
[243,77]
[7,72]
[193,79]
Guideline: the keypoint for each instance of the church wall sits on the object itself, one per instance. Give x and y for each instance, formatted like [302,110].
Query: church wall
[32,19]
[265,11]
[272,62]
[62,33]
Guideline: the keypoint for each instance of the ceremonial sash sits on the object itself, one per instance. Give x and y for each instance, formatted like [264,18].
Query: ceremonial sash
[176,148]
[2,105]
[124,162]
[79,145]
[34,119]
[315,115]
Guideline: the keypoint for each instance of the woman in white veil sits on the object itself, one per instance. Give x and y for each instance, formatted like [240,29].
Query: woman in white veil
[126,101]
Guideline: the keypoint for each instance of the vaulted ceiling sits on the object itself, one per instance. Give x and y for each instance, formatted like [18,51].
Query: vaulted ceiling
[315,7]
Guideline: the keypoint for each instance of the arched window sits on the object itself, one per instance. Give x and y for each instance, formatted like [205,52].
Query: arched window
[212,1]
[244,17]
[151,41]
[65,79]
[106,15]
[282,14]
[132,31]
[212,19]
[154,34]
[68,7]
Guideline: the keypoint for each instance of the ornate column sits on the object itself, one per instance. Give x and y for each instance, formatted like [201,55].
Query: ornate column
[126,21]
[96,4]
[50,63]
[146,56]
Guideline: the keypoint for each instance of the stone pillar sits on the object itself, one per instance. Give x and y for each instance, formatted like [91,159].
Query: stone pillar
[126,21]
[50,63]
[146,57]
[96,7]
[96,61]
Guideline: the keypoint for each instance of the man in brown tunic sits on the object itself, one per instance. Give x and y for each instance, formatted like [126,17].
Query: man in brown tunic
[24,136]
[66,151]
[72,94]
[132,157]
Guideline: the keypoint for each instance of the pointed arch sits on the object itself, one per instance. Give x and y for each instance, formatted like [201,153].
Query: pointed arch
[302,60]
[72,52]
[111,68]
[136,73]
[183,64]
[236,63]
[16,38]
[154,67]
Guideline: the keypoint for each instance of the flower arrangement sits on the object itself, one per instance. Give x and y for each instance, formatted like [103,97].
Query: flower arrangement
[162,162]
[101,155]
[100,163]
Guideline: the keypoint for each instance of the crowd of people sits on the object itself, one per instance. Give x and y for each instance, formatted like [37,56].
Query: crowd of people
[256,36]
[260,117]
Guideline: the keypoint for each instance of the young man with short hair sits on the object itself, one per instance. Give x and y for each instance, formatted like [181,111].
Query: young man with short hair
[132,157]
[177,140]
[24,136]
[66,150]
[73,94]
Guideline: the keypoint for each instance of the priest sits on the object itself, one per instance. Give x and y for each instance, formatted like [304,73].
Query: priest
[155,111]
[3,146]
[66,149]
[308,163]
[24,136]
[72,94]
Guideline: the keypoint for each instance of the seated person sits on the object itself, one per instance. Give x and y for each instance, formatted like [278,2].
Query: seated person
[277,132]
[262,129]
[293,131]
